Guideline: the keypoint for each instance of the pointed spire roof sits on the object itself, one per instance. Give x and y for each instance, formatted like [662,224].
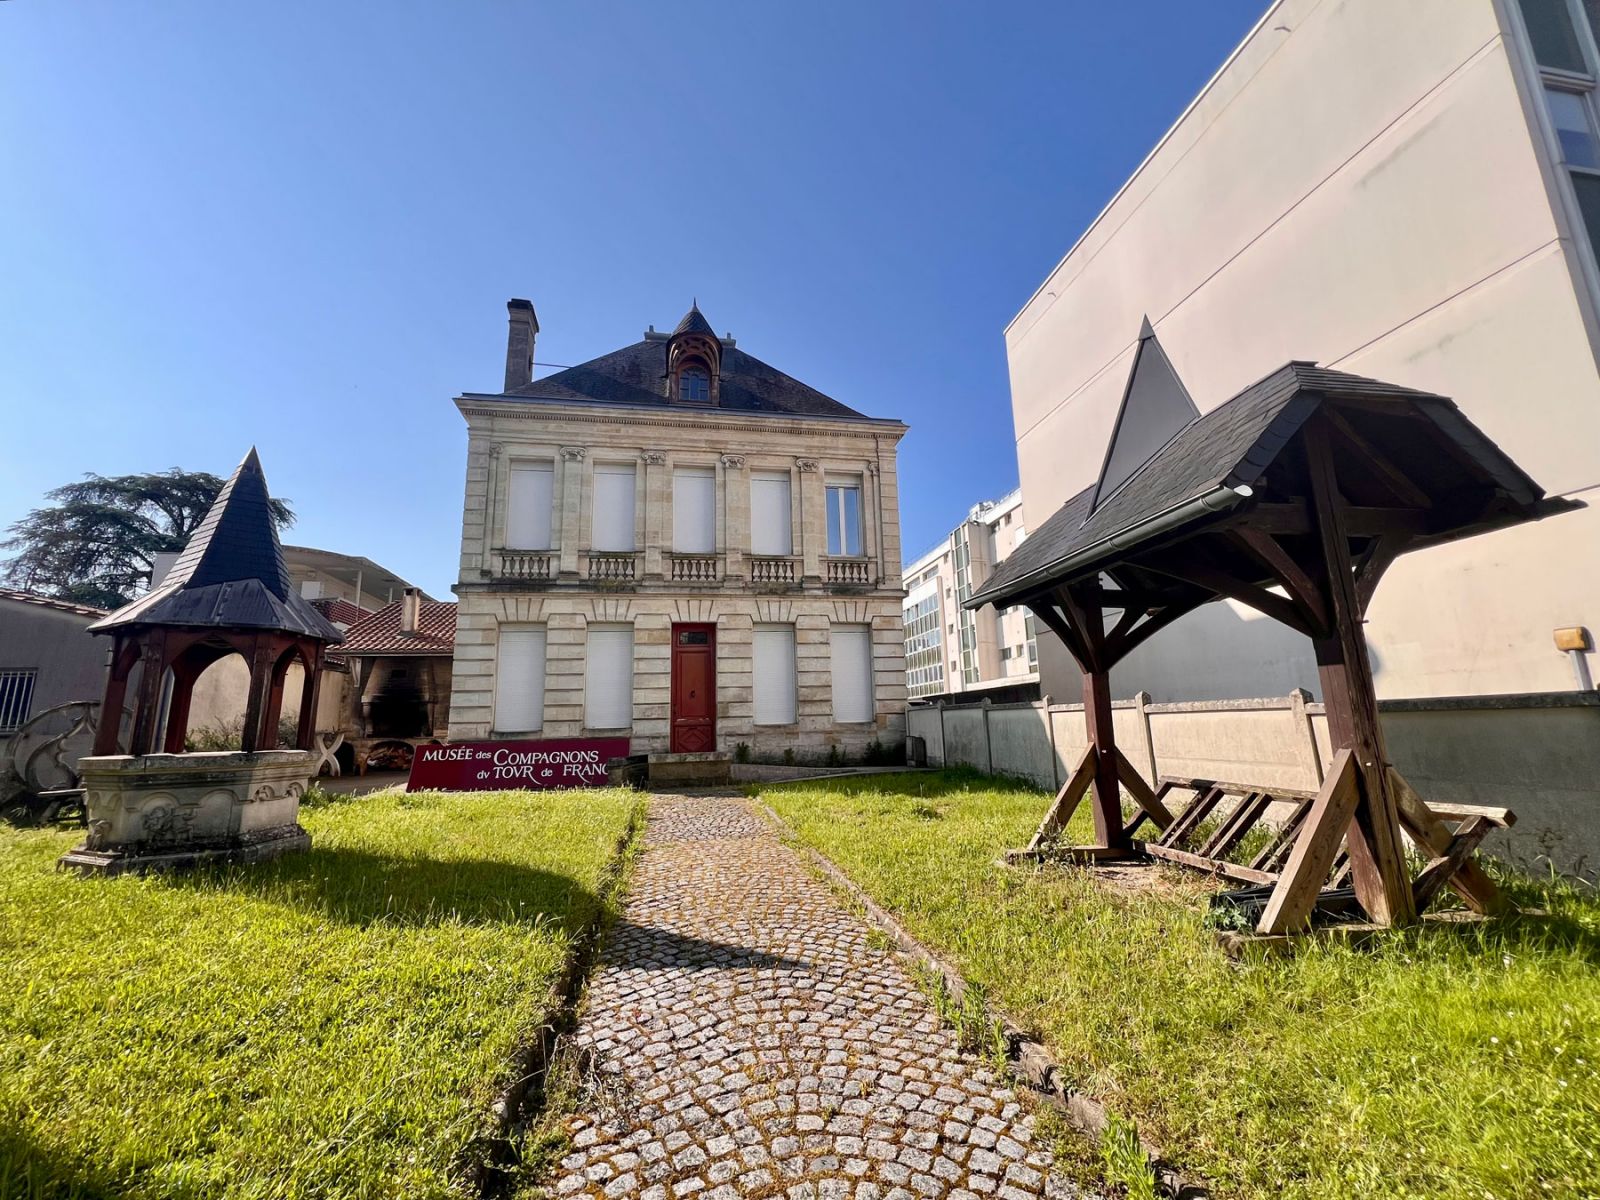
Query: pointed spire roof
[694,321]
[231,573]
[1155,407]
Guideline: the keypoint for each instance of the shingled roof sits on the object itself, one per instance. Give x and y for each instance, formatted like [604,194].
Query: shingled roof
[1218,461]
[380,633]
[231,573]
[66,606]
[637,375]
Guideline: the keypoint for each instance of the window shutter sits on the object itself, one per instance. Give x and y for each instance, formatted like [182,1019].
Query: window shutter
[529,506]
[771,527]
[774,675]
[519,681]
[852,673]
[608,678]
[694,510]
[613,507]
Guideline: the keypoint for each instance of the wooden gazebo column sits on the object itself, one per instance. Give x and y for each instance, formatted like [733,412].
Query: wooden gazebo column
[312,663]
[1377,859]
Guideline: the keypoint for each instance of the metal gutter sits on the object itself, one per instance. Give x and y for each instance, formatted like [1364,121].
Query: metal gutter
[1219,499]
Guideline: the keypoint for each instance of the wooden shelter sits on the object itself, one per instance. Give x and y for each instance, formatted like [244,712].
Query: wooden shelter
[228,593]
[1292,498]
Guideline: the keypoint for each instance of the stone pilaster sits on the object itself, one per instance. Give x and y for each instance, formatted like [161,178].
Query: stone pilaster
[733,519]
[574,472]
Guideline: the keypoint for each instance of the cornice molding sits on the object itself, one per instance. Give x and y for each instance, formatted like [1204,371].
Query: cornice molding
[872,429]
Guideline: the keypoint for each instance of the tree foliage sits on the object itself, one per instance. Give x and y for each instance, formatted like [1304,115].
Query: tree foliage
[96,542]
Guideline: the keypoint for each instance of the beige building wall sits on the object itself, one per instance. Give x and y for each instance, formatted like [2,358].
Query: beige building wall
[558,588]
[1368,185]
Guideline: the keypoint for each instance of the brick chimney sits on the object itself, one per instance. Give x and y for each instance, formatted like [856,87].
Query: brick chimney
[519,344]
[410,611]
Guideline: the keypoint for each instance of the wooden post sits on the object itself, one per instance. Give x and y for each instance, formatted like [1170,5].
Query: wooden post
[123,657]
[255,707]
[1107,791]
[1378,868]
[184,677]
[147,707]
[306,734]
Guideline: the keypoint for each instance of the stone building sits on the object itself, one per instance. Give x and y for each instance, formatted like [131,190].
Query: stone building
[950,649]
[678,542]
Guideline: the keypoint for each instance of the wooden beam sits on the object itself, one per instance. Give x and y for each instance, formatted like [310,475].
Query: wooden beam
[1200,862]
[1140,791]
[1118,648]
[1374,562]
[1392,477]
[1289,573]
[1290,906]
[1206,797]
[1279,608]
[1439,870]
[1378,864]
[1060,625]
[1470,881]
[1066,802]
[1250,809]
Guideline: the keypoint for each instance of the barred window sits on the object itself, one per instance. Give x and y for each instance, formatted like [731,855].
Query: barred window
[16,697]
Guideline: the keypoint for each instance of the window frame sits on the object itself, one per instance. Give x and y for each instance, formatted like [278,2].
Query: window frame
[841,484]
[501,644]
[1586,86]
[541,466]
[14,682]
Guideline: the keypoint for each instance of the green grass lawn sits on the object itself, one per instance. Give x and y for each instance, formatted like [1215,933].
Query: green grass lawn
[329,1025]
[1444,1063]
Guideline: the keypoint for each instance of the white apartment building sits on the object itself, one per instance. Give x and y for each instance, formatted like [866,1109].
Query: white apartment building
[1406,191]
[678,543]
[949,649]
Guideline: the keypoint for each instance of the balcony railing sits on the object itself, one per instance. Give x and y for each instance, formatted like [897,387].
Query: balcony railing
[849,570]
[693,568]
[613,568]
[773,570]
[527,564]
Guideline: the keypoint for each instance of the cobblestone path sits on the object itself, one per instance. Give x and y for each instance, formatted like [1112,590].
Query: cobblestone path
[745,1038]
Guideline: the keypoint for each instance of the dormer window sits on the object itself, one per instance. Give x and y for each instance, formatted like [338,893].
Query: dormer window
[694,385]
[694,361]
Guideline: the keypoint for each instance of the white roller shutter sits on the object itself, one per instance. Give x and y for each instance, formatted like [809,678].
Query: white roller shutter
[529,506]
[613,507]
[694,510]
[774,675]
[608,678]
[771,529]
[519,681]
[852,673]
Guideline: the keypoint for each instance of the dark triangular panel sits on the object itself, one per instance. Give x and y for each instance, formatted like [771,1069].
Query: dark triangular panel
[1155,406]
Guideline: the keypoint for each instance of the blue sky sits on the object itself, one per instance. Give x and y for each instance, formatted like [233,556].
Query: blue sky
[297,224]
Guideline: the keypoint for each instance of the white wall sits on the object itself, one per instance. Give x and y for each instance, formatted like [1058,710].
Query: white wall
[1361,188]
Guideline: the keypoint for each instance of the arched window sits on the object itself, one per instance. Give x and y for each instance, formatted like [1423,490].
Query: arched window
[694,385]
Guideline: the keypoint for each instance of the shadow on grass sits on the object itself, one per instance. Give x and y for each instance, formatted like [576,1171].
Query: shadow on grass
[359,888]
[653,948]
[30,1171]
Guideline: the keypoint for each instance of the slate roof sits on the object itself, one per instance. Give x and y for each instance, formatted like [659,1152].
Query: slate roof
[231,574]
[694,321]
[1232,446]
[637,375]
[379,633]
[67,606]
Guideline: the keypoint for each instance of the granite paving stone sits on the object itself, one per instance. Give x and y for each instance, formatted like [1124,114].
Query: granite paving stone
[743,1036]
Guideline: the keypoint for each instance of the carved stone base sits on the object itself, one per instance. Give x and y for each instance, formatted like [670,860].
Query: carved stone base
[158,812]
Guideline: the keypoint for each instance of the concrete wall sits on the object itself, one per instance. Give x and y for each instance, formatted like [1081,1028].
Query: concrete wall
[71,662]
[1361,186]
[1538,755]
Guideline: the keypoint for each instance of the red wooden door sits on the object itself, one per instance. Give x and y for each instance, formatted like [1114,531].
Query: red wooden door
[694,688]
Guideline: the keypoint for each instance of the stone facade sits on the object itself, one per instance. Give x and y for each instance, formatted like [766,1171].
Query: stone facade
[567,587]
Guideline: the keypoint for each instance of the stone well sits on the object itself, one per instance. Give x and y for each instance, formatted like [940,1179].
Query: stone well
[163,811]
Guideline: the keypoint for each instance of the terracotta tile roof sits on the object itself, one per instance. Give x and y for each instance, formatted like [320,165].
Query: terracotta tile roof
[340,611]
[82,610]
[380,633]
